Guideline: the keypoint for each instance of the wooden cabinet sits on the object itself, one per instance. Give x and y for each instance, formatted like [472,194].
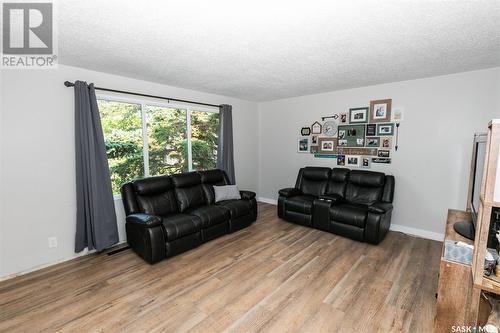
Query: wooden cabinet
[455,283]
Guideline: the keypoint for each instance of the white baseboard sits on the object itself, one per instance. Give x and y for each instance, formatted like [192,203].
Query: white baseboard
[57,262]
[267,200]
[394,227]
[418,232]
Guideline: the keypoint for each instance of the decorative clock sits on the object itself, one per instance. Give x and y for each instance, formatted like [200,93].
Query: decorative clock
[330,128]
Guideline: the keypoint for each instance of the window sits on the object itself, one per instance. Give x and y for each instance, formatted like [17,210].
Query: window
[145,139]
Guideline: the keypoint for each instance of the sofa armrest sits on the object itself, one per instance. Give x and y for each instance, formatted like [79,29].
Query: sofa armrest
[247,195]
[331,197]
[289,192]
[144,220]
[380,208]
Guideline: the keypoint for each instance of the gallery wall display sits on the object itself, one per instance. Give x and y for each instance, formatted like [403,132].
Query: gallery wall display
[356,138]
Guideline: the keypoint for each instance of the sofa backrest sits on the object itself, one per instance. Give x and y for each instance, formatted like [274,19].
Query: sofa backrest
[209,178]
[188,190]
[338,181]
[164,195]
[313,180]
[365,187]
[153,195]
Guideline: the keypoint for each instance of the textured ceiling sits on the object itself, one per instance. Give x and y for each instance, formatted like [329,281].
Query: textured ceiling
[260,50]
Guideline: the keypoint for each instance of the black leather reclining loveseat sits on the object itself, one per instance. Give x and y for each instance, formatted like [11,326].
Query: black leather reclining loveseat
[167,215]
[355,204]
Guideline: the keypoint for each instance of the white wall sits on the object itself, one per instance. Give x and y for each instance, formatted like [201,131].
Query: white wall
[37,158]
[431,166]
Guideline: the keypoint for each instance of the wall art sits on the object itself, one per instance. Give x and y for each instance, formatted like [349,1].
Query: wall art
[358,115]
[316,128]
[305,131]
[385,129]
[330,128]
[365,162]
[303,145]
[341,160]
[314,140]
[380,110]
[352,160]
[384,153]
[371,129]
[397,115]
[354,135]
[381,160]
[357,151]
[330,144]
[343,118]
[386,143]
[372,141]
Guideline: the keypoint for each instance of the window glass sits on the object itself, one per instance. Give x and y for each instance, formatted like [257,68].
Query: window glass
[204,126]
[167,140]
[122,128]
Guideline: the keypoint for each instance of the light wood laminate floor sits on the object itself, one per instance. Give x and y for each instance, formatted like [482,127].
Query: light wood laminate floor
[273,276]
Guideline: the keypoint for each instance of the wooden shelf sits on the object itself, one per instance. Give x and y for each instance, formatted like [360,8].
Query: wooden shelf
[491,284]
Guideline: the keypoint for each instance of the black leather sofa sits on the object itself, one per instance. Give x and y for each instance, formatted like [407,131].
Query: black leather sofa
[167,215]
[355,204]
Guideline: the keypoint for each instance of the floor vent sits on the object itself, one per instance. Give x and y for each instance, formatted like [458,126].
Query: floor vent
[121,249]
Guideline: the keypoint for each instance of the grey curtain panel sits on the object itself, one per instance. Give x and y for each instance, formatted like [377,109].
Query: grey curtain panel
[225,157]
[95,209]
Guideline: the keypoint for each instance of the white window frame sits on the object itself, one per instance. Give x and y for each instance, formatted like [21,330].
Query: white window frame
[143,102]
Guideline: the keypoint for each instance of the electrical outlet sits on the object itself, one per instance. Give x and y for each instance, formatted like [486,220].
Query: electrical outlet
[52,242]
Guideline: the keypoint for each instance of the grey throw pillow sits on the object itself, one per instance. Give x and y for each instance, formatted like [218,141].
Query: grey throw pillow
[227,192]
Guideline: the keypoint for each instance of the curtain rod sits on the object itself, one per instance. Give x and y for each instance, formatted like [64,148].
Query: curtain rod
[71,84]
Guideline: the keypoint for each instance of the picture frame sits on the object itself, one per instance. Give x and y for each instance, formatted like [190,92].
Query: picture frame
[397,115]
[358,115]
[341,160]
[372,141]
[365,162]
[330,146]
[353,160]
[314,140]
[313,149]
[343,118]
[380,110]
[371,129]
[386,142]
[305,131]
[303,144]
[353,134]
[384,153]
[381,160]
[386,129]
[316,128]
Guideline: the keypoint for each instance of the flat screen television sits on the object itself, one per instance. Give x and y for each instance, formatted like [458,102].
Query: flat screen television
[468,228]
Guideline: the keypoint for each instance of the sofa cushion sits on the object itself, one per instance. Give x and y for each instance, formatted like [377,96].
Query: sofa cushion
[337,181]
[313,180]
[188,190]
[365,187]
[180,225]
[159,204]
[349,213]
[155,195]
[226,192]
[236,208]
[300,204]
[214,177]
[210,214]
